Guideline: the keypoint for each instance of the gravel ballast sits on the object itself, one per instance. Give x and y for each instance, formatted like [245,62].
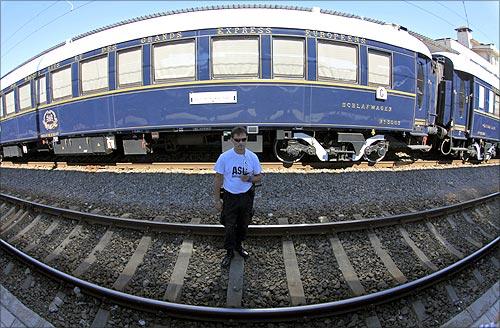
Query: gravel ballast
[153,275]
[302,197]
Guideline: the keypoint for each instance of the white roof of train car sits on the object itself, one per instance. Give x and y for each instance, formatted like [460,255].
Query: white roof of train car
[203,19]
[465,64]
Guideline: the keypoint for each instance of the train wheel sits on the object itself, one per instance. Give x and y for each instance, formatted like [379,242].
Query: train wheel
[376,152]
[464,156]
[489,154]
[286,153]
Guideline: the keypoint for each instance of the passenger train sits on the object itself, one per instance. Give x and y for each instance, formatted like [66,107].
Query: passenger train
[304,81]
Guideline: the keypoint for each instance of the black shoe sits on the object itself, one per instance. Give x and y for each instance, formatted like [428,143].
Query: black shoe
[243,253]
[227,259]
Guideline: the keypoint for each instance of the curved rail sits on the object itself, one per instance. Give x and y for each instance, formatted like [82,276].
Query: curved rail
[253,230]
[257,314]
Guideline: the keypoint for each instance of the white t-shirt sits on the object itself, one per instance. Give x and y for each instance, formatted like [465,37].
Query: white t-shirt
[233,165]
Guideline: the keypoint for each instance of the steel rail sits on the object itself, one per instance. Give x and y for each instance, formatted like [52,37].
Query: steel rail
[255,314]
[253,230]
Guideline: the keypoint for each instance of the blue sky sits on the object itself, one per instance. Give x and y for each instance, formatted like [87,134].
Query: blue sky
[29,27]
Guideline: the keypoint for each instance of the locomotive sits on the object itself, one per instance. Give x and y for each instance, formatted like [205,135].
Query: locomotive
[303,81]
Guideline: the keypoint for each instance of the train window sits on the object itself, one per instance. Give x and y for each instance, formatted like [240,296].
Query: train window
[9,103]
[1,107]
[491,102]
[94,75]
[41,88]
[174,61]
[496,108]
[288,58]
[130,67]
[337,62]
[235,57]
[461,98]
[25,96]
[481,97]
[420,84]
[61,84]
[379,68]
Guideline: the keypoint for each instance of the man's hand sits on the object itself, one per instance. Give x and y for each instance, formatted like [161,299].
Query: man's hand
[246,178]
[217,190]
[218,205]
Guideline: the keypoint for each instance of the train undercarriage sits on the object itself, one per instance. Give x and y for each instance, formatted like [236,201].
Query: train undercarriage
[287,146]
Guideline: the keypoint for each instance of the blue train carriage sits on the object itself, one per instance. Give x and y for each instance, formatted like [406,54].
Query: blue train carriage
[469,107]
[17,118]
[304,81]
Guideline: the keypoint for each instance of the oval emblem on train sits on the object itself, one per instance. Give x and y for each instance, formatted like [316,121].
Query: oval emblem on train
[50,120]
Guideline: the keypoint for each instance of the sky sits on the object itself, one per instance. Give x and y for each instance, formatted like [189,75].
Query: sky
[30,27]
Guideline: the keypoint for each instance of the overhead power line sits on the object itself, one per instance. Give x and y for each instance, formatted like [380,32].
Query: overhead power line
[450,9]
[28,21]
[431,13]
[466,17]
[453,24]
[476,29]
[40,28]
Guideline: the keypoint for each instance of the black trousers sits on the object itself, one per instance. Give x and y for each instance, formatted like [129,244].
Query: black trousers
[237,212]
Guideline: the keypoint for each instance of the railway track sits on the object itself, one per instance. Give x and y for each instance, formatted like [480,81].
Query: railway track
[296,271]
[267,166]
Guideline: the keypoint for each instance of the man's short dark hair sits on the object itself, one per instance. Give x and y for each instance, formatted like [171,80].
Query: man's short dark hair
[238,130]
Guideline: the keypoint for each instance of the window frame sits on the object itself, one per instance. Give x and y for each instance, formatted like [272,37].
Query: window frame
[330,79]
[491,102]
[388,54]
[52,83]
[496,107]
[14,103]
[420,97]
[304,58]
[236,76]
[80,74]
[19,96]
[37,90]
[177,79]
[461,98]
[117,64]
[2,114]
[481,99]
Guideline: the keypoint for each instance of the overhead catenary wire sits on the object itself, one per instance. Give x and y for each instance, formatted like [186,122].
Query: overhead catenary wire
[29,20]
[431,13]
[40,28]
[450,9]
[466,19]
[465,10]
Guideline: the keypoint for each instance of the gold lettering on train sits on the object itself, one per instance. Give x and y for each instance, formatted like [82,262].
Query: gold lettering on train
[53,67]
[243,30]
[354,105]
[335,36]
[32,76]
[108,49]
[162,37]
[384,121]
[489,127]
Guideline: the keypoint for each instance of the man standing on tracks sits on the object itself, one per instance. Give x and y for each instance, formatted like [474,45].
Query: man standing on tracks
[237,170]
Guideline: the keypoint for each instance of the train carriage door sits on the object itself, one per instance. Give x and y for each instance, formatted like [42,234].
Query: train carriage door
[422,92]
[461,91]
[434,77]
